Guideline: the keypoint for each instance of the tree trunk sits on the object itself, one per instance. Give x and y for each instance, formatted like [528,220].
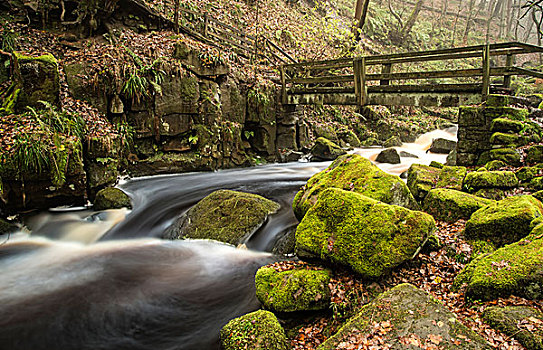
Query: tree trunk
[176,16]
[361,12]
[412,19]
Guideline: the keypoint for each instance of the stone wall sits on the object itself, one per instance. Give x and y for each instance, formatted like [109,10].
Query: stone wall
[476,127]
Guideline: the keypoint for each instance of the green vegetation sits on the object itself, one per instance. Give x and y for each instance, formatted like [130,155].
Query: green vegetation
[111,198]
[451,205]
[489,179]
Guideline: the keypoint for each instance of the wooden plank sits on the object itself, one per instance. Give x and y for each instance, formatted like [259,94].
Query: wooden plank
[233,43]
[324,63]
[321,90]
[363,91]
[283,85]
[486,71]
[226,26]
[475,88]
[387,69]
[278,48]
[524,71]
[507,77]
[357,85]
[232,36]
[323,80]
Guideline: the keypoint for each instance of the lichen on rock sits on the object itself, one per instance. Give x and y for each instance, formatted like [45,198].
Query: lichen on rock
[451,205]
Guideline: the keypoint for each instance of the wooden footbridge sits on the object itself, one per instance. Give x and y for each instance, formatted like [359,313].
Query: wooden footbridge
[470,74]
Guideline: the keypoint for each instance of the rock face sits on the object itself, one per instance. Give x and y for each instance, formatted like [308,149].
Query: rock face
[451,205]
[514,269]
[410,315]
[325,149]
[259,330]
[477,180]
[504,222]
[443,146]
[421,179]
[111,198]
[226,216]
[299,289]
[515,321]
[389,155]
[353,172]
[370,237]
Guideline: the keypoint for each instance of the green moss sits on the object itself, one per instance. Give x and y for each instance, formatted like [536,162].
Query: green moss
[507,155]
[452,177]
[480,247]
[495,165]
[494,100]
[505,221]
[353,172]
[189,89]
[534,154]
[226,216]
[499,138]
[538,195]
[496,194]
[536,183]
[451,205]
[47,58]
[506,125]
[421,179]
[512,113]
[300,289]
[350,229]
[489,179]
[513,269]
[259,330]
[525,174]
[10,101]
[437,165]
[515,321]
[111,198]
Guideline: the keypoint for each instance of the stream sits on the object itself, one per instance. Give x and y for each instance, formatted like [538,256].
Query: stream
[105,280]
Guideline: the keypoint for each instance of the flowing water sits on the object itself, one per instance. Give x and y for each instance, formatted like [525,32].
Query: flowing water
[87,280]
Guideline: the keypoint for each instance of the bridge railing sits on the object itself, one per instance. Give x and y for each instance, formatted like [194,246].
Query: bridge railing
[389,74]
[206,28]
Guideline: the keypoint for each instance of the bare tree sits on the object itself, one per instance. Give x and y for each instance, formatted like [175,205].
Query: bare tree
[401,32]
[361,12]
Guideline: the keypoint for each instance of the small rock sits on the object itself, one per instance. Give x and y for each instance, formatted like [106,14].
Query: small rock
[111,198]
[325,149]
[389,155]
[441,145]
[407,155]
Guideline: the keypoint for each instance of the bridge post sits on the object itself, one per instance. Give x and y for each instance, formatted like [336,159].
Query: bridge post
[387,69]
[359,70]
[206,25]
[283,85]
[508,65]
[486,72]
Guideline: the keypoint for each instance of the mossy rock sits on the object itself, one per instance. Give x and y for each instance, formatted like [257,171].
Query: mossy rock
[451,205]
[349,138]
[225,216]
[413,315]
[358,174]
[495,165]
[421,179]
[506,125]
[393,141]
[512,113]
[353,230]
[452,177]
[480,247]
[505,221]
[298,289]
[538,195]
[526,174]
[534,154]
[111,198]
[496,194]
[495,100]
[489,179]
[435,164]
[514,269]
[536,183]
[325,149]
[259,330]
[389,155]
[503,139]
[509,156]
[7,227]
[520,322]
[443,146]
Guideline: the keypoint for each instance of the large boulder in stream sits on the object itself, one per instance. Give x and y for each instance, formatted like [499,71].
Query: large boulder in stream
[405,317]
[441,145]
[389,155]
[300,288]
[366,235]
[325,149]
[225,216]
[504,222]
[111,198]
[358,174]
[259,330]
[514,269]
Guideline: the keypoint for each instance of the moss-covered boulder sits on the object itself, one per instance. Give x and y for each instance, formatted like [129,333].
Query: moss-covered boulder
[507,155]
[358,174]
[523,323]
[298,289]
[526,174]
[452,177]
[325,149]
[393,141]
[534,154]
[406,315]
[495,165]
[503,139]
[489,179]
[38,80]
[514,269]
[225,216]
[111,198]
[389,155]
[371,237]
[259,330]
[536,183]
[348,138]
[505,221]
[506,125]
[496,194]
[421,179]
[450,205]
